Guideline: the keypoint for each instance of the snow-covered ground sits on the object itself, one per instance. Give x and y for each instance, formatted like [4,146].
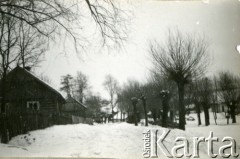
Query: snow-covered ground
[113,140]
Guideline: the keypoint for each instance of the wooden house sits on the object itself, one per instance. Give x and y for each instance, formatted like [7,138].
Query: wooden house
[30,104]
[74,107]
[24,92]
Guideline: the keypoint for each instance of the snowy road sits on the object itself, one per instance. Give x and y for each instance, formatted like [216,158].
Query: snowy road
[118,140]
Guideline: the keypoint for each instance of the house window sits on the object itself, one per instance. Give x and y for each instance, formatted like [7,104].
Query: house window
[33,105]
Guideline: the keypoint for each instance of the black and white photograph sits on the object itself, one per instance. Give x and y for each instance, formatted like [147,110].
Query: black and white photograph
[122,79]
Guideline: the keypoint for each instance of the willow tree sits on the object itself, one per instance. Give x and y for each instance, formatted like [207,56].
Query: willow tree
[229,85]
[180,58]
[204,88]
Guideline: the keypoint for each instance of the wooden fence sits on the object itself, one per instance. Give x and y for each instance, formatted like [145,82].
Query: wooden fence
[15,124]
[77,120]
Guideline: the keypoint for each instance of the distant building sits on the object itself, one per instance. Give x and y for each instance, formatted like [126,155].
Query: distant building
[108,114]
[74,107]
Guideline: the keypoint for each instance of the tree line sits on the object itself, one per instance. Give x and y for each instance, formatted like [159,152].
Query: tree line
[79,88]
[219,93]
[177,84]
[178,79]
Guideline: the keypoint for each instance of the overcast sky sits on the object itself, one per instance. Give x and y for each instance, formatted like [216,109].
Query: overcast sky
[218,20]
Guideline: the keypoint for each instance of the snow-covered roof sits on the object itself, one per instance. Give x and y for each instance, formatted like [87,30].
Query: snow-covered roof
[72,100]
[108,109]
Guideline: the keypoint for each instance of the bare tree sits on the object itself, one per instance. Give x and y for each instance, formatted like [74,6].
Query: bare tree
[204,88]
[179,58]
[214,98]
[52,17]
[8,40]
[111,85]
[152,91]
[81,85]
[19,45]
[31,46]
[93,103]
[229,85]
[130,90]
[194,97]
[159,83]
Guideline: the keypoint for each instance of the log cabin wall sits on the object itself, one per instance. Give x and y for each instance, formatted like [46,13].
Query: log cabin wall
[30,104]
[25,92]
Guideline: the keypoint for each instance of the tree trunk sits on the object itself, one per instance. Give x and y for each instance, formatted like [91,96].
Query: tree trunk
[215,114]
[135,115]
[112,112]
[233,116]
[198,114]
[23,58]
[145,111]
[181,107]
[206,115]
[3,92]
[3,129]
[154,115]
[165,111]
